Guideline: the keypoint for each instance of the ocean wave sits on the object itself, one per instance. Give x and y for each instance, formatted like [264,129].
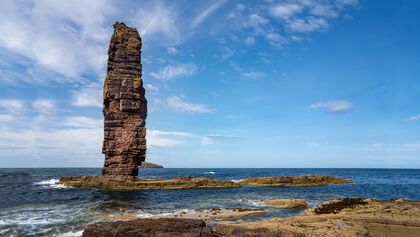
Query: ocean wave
[210,172]
[50,183]
[236,180]
[163,214]
[253,202]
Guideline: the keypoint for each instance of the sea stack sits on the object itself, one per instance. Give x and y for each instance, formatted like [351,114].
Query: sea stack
[124,105]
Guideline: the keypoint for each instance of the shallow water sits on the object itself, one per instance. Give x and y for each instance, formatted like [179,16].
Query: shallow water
[31,203]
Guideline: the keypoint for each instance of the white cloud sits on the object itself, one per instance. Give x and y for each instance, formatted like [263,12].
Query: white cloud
[158,138]
[83,122]
[206,13]
[256,20]
[249,41]
[150,87]
[13,107]
[414,117]
[172,50]
[286,10]
[6,118]
[253,75]
[56,36]
[158,21]
[310,24]
[44,107]
[333,106]
[178,104]
[171,72]
[89,95]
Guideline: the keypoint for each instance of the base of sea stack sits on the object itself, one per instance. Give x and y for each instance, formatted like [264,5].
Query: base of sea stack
[133,183]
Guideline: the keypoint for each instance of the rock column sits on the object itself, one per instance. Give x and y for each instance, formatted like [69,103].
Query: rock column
[124,105]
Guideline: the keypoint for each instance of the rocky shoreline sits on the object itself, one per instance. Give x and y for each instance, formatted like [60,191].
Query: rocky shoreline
[344,217]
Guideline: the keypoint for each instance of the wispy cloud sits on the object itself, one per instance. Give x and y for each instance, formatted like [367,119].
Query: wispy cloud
[333,106]
[14,107]
[56,36]
[158,21]
[175,71]
[89,95]
[158,138]
[206,13]
[44,107]
[209,139]
[414,117]
[151,87]
[179,104]
[253,75]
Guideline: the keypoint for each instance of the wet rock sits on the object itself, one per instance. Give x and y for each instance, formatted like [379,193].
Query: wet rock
[286,181]
[124,105]
[337,205]
[286,203]
[165,227]
[133,183]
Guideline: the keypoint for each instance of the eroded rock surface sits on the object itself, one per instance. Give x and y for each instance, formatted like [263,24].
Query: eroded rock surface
[133,183]
[286,181]
[350,217]
[286,203]
[125,105]
[166,227]
[346,218]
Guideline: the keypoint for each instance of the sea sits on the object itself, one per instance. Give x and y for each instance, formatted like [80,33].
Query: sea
[32,203]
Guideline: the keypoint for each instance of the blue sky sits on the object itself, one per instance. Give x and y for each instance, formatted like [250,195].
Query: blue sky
[331,83]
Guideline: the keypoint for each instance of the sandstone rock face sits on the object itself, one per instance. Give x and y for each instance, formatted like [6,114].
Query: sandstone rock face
[150,227]
[125,105]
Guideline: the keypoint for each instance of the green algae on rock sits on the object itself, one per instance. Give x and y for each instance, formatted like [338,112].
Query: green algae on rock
[287,181]
[133,183]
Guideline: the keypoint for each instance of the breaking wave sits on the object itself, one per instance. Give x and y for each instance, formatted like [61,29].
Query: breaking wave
[50,183]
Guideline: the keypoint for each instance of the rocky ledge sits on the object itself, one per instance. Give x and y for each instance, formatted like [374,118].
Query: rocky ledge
[287,181]
[286,203]
[346,218]
[165,227]
[133,183]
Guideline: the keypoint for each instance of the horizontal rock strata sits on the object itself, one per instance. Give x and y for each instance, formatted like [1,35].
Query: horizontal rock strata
[133,183]
[150,228]
[344,218]
[286,181]
[124,105]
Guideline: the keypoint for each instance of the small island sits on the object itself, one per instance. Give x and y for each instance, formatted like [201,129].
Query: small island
[147,165]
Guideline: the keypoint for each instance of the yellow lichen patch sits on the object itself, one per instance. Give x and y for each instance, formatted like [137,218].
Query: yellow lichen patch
[106,84]
[136,82]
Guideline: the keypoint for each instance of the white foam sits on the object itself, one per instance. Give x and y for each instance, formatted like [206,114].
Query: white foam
[163,214]
[236,180]
[71,234]
[50,183]
[210,172]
